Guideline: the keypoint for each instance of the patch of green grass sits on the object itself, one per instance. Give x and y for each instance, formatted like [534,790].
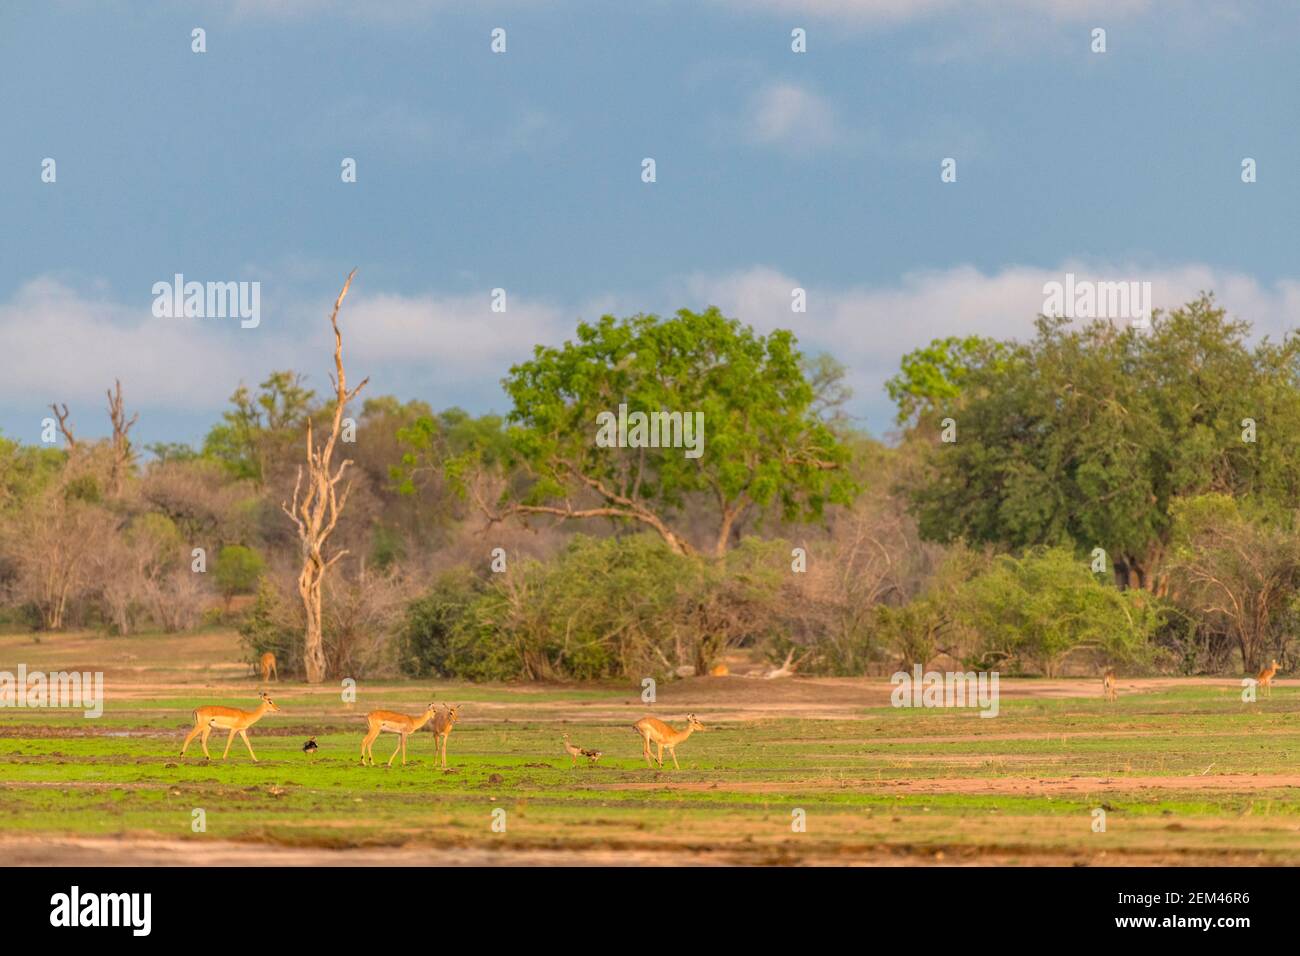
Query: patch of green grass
[739,784]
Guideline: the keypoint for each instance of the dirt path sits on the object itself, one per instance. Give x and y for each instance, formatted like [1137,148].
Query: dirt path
[1236,782]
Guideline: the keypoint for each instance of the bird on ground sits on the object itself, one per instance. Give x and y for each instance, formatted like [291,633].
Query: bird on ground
[576,752]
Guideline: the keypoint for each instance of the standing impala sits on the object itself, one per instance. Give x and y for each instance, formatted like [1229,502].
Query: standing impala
[654,730]
[442,726]
[267,664]
[1108,688]
[389,721]
[207,719]
[1265,677]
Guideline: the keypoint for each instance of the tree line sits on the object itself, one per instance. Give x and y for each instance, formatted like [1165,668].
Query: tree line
[1088,496]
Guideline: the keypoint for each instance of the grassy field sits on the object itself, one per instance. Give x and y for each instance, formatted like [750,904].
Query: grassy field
[1184,771]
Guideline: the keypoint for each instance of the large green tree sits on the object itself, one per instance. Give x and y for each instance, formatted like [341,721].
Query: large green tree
[1084,435]
[259,427]
[763,443]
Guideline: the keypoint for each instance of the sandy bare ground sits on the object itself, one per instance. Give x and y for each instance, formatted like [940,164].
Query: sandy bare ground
[23,851]
[1234,782]
[67,851]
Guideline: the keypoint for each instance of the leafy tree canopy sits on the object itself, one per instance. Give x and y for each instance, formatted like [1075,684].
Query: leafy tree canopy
[763,443]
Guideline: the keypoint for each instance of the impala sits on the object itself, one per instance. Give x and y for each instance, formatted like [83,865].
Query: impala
[654,730]
[267,663]
[442,726]
[207,719]
[1265,676]
[388,721]
[1108,684]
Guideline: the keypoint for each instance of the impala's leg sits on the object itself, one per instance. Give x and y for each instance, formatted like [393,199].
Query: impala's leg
[661,754]
[403,750]
[673,751]
[367,746]
[229,740]
[198,729]
[442,750]
[645,750]
[244,735]
[395,749]
[204,740]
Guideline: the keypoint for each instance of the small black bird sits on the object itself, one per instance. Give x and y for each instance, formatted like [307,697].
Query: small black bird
[309,747]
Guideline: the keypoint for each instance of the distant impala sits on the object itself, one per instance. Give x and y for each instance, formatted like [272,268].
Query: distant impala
[1265,676]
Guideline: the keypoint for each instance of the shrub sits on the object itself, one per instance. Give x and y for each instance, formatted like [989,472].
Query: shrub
[1041,607]
[272,624]
[238,569]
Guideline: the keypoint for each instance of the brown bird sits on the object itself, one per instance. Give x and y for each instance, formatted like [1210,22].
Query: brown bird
[310,746]
[576,752]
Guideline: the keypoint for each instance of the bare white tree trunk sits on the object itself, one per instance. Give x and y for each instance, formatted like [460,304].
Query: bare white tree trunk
[318,511]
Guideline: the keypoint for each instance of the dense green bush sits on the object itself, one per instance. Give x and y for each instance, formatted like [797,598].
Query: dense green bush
[432,627]
[1033,611]
[272,624]
[238,569]
[603,608]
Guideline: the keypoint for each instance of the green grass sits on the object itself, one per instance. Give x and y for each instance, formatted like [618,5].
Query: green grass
[1185,771]
[739,783]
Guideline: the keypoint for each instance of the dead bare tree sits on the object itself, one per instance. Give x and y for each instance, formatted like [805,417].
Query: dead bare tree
[122,454]
[318,511]
[64,425]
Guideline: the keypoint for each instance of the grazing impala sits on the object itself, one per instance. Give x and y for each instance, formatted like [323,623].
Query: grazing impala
[381,721]
[654,730]
[207,719]
[442,726]
[267,663]
[1108,684]
[1265,676]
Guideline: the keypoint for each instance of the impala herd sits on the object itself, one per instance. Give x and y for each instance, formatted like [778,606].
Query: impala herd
[651,730]
[210,718]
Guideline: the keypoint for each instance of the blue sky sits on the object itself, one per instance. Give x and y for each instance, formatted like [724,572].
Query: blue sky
[521,170]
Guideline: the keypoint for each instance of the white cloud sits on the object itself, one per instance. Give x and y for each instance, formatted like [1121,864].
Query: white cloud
[68,345]
[456,338]
[399,127]
[893,11]
[869,328]
[381,11]
[792,117]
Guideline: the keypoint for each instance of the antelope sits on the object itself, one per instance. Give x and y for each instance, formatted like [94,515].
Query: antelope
[1108,684]
[652,729]
[1265,676]
[442,726]
[267,664]
[207,719]
[379,721]
[576,752]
